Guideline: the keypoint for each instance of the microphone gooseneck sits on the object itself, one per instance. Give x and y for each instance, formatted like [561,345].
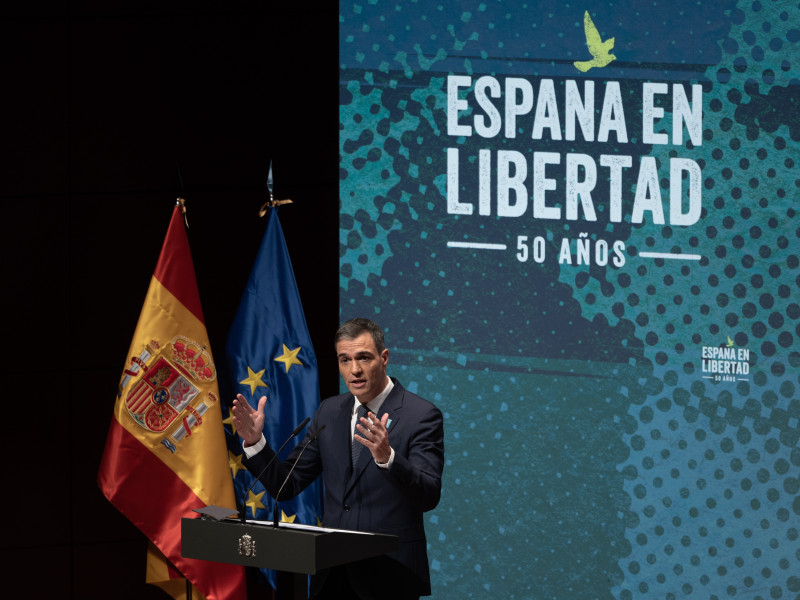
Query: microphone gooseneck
[243,510]
[289,474]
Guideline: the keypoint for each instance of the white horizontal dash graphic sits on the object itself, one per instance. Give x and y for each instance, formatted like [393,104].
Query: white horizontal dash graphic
[476,245]
[669,255]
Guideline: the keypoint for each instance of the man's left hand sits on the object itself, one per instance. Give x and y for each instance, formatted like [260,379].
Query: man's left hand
[372,433]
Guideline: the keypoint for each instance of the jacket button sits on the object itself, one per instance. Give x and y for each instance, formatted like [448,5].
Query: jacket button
[346,508]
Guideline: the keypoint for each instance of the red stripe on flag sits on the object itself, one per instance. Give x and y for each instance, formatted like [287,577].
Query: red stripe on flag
[175,269]
[155,499]
[134,397]
[140,398]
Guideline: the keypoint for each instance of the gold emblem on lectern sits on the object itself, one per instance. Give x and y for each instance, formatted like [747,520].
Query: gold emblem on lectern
[247,547]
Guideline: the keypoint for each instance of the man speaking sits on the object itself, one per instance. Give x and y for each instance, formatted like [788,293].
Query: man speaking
[381,455]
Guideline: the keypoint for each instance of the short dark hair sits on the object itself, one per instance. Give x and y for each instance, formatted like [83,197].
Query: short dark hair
[353,328]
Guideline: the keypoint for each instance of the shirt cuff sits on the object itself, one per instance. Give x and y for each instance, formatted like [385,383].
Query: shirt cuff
[251,451]
[387,465]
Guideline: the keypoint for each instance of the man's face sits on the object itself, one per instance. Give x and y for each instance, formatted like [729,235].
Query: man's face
[362,368]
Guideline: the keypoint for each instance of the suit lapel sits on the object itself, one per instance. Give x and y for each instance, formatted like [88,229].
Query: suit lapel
[342,426]
[339,449]
[393,406]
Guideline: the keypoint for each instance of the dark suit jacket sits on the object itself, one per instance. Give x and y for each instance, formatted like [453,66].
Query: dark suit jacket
[368,498]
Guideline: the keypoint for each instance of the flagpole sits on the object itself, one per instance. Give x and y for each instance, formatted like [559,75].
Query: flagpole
[181,201]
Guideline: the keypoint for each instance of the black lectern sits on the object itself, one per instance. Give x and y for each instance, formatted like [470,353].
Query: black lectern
[292,548]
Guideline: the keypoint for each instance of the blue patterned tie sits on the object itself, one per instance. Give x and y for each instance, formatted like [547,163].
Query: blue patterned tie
[357,446]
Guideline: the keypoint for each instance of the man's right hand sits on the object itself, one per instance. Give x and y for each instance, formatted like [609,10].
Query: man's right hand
[249,422]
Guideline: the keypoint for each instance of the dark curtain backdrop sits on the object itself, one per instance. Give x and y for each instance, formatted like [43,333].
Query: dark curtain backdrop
[102,104]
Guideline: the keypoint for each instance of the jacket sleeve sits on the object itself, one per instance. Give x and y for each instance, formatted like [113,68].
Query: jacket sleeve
[419,469]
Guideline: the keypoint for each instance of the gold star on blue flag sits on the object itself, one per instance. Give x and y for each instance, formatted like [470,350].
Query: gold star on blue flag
[289,357]
[254,380]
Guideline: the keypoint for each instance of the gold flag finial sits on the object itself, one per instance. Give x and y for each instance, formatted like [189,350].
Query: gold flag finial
[272,203]
[182,203]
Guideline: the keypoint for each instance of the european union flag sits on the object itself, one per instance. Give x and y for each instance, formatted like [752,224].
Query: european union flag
[269,353]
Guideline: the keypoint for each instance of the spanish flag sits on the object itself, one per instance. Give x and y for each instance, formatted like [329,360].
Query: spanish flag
[165,454]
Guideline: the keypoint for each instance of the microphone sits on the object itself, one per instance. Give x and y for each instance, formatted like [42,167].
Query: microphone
[289,474]
[298,429]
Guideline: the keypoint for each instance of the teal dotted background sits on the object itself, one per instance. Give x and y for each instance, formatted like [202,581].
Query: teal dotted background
[587,456]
